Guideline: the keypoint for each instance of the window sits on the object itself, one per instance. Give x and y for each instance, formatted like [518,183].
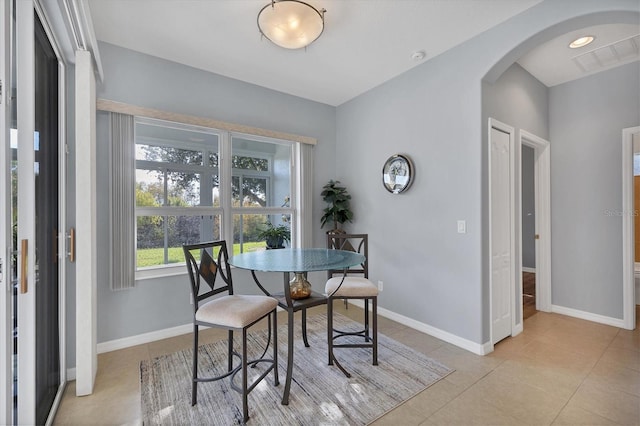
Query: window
[261,188]
[186,192]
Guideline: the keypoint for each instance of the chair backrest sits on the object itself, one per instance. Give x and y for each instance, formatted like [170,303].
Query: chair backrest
[358,243]
[206,262]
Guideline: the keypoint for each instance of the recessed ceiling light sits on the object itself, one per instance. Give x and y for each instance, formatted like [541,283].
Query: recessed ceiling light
[581,42]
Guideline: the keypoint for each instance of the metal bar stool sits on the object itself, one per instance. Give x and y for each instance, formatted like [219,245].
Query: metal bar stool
[355,285]
[228,311]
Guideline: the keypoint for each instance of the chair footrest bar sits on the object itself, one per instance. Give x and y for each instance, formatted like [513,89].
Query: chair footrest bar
[349,333]
[354,345]
[254,383]
[235,370]
[213,379]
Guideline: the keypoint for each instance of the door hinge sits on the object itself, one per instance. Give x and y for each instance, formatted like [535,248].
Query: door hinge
[0,91]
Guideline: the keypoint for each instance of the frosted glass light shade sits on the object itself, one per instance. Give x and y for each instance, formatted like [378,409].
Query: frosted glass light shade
[291,24]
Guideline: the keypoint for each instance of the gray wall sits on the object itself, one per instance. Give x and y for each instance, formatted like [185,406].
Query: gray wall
[587,118]
[431,274]
[518,99]
[434,113]
[528,208]
[152,82]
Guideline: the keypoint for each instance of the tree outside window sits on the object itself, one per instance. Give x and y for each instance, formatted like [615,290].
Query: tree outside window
[179,198]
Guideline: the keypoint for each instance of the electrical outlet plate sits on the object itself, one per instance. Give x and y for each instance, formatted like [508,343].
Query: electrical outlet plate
[380,285]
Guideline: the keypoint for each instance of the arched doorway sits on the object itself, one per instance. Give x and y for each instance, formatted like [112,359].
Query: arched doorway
[588,309]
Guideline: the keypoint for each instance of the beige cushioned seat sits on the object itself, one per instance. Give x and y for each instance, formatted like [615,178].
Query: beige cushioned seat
[235,311]
[351,287]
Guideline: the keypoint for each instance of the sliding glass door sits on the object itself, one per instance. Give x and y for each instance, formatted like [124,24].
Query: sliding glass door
[46,267]
[31,181]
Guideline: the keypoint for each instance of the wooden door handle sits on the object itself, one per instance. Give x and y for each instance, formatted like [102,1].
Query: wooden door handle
[72,245]
[24,267]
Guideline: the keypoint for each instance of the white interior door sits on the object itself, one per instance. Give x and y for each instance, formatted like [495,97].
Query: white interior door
[542,217]
[501,182]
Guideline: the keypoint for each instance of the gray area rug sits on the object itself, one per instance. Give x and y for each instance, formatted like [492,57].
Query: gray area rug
[320,394]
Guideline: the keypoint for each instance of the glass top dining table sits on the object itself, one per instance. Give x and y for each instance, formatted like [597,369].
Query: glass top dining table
[298,261]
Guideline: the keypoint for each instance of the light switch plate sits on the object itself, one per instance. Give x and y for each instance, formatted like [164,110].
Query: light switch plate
[462,227]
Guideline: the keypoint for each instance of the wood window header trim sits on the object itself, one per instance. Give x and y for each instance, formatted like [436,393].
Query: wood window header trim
[138,111]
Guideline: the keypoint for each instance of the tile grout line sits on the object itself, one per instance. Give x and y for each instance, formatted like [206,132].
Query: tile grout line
[584,379]
[466,390]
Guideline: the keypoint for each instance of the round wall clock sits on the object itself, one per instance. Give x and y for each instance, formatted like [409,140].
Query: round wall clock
[397,174]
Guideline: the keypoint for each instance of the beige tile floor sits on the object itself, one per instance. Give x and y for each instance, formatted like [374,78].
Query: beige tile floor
[560,371]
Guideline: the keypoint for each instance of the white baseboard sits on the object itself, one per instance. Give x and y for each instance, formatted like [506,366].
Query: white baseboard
[637,282]
[476,348]
[615,322]
[519,328]
[140,339]
[532,270]
[152,336]
[126,342]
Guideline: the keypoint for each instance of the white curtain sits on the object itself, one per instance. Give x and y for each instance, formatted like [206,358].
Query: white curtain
[306,195]
[122,197]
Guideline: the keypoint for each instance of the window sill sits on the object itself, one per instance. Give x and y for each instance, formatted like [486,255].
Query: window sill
[160,272]
[153,272]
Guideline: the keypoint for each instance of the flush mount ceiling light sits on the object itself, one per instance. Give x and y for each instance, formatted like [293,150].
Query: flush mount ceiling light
[291,24]
[581,42]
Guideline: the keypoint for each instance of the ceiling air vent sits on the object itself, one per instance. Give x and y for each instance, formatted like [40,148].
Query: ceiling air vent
[609,56]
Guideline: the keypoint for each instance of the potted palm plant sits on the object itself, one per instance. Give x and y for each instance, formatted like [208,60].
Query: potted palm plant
[338,210]
[275,236]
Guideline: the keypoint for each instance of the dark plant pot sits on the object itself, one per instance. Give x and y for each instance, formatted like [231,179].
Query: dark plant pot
[336,231]
[275,242]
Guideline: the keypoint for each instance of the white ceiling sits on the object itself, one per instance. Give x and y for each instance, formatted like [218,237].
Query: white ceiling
[365,42]
[555,63]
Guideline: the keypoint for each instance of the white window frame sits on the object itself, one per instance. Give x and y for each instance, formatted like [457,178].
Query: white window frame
[225,174]
[268,211]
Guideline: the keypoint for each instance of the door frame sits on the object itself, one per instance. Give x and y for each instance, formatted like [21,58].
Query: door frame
[6,333]
[62,197]
[542,179]
[542,170]
[628,227]
[25,83]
